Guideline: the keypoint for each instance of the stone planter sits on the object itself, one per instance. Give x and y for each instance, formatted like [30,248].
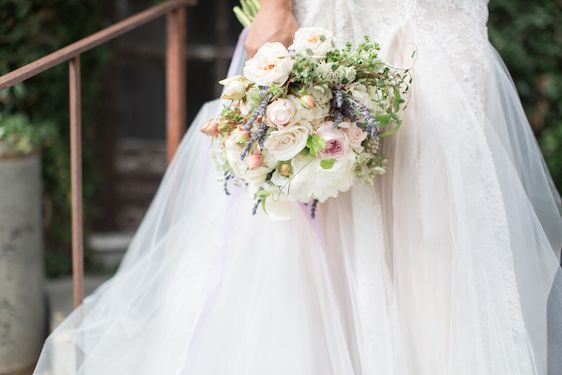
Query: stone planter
[22,306]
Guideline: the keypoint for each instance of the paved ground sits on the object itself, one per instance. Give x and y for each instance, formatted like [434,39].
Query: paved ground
[59,294]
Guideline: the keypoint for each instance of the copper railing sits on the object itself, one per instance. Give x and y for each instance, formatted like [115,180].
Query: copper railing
[175,10]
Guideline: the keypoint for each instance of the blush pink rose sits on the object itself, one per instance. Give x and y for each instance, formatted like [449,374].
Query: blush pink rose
[355,135]
[337,143]
[280,113]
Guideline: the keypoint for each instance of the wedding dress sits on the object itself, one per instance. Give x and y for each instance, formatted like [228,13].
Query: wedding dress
[448,266]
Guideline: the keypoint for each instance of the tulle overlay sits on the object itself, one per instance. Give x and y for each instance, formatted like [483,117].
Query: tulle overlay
[447,266]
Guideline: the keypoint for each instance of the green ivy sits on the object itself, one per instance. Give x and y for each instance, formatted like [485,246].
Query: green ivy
[30,29]
[528,35]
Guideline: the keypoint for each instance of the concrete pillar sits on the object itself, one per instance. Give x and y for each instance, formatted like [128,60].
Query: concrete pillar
[22,307]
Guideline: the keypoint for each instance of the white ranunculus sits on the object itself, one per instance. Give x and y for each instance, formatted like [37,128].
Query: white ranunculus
[234,87]
[311,181]
[360,93]
[355,135]
[280,113]
[239,167]
[315,42]
[285,144]
[271,64]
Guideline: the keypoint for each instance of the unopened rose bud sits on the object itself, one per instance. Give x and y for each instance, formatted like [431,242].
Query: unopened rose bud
[244,137]
[255,161]
[210,128]
[234,90]
[307,101]
[285,170]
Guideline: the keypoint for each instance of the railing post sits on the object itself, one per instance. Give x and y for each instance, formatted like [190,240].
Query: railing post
[76,180]
[175,79]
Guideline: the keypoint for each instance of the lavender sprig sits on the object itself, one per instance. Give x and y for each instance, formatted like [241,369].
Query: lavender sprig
[259,111]
[339,98]
[372,123]
[313,208]
[227,177]
[257,136]
[256,206]
[338,105]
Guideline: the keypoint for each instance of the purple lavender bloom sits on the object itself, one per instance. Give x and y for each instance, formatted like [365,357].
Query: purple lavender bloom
[257,136]
[313,208]
[259,111]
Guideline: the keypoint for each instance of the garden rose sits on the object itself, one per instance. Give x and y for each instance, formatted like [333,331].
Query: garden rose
[271,64]
[280,113]
[355,135]
[284,144]
[337,144]
[315,42]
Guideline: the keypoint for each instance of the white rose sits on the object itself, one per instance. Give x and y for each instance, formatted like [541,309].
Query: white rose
[271,64]
[234,88]
[315,42]
[312,115]
[285,144]
[280,113]
[360,93]
[355,135]
[240,167]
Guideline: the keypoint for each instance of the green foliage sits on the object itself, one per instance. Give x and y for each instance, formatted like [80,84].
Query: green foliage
[315,144]
[18,132]
[528,35]
[30,29]
[327,163]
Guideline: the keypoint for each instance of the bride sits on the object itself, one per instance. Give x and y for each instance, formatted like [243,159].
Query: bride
[448,266]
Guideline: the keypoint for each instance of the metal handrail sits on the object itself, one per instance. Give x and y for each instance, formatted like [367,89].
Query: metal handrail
[175,111]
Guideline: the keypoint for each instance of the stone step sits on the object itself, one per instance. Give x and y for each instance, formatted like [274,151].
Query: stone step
[110,247]
[59,296]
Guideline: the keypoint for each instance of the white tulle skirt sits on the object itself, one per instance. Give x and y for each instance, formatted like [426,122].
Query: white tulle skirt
[446,267]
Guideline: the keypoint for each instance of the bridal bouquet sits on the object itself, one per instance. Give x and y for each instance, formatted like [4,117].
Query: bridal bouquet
[302,124]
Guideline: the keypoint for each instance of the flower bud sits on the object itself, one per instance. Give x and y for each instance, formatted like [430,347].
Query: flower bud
[255,161]
[285,170]
[244,137]
[210,128]
[234,91]
[307,101]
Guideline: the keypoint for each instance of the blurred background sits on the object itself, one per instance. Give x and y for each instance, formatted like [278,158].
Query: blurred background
[123,89]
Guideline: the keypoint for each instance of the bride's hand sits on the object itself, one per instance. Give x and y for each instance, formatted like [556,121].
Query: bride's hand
[275,22]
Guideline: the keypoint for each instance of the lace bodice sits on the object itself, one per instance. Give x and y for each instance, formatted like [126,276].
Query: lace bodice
[381,18]
[453,31]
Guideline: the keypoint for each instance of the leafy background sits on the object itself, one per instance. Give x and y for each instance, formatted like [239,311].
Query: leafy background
[30,29]
[527,34]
